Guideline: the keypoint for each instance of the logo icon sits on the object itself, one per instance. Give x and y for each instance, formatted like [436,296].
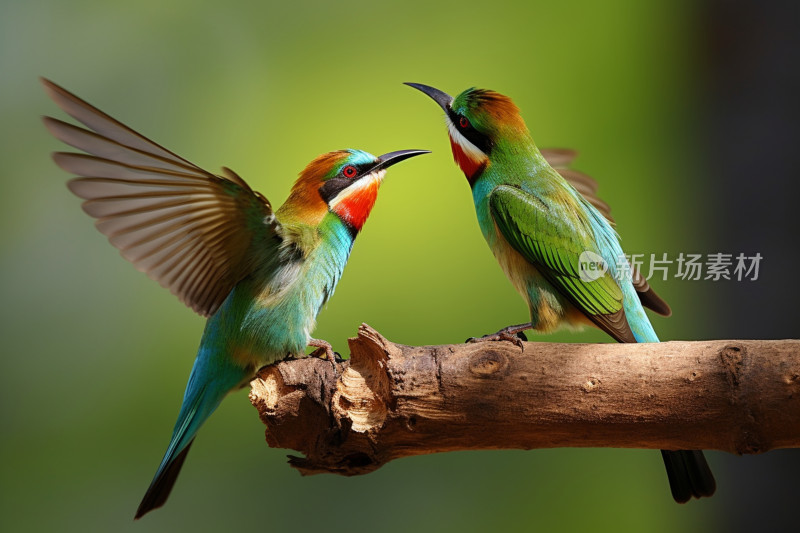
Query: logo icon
[591,266]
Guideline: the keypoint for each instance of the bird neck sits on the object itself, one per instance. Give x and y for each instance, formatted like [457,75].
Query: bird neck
[304,206]
[511,158]
[471,163]
[354,207]
[302,210]
[337,235]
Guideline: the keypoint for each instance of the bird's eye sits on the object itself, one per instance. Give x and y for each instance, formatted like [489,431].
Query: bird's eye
[349,171]
[463,122]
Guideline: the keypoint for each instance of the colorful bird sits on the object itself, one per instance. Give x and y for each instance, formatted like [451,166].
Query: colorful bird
[555,241]
[260,276]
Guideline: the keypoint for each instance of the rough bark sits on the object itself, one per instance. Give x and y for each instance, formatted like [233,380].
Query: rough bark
[390,400]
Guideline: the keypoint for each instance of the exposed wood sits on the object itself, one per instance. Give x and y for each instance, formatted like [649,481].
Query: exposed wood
[390,401]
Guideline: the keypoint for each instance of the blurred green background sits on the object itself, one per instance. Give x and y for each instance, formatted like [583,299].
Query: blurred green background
[96,356]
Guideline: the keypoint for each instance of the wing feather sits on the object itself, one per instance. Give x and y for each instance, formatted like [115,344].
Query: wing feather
[533,232]
[106,126]
[192,231]
[559,159]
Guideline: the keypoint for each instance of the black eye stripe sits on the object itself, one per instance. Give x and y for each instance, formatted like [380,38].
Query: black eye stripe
[343,180]
[483,142]
[332,187]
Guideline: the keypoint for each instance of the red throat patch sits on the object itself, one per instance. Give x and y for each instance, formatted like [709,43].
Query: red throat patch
[356,206]
[467,165]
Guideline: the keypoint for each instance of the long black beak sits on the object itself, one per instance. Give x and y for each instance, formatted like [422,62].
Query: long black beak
[387,160]
[440,97]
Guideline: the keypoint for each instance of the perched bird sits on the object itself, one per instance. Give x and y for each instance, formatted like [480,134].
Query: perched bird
[544,226]
[260,276]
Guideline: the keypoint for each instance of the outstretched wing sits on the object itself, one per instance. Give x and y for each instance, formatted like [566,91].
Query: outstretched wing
[540,236]
[560,159]
[192,231]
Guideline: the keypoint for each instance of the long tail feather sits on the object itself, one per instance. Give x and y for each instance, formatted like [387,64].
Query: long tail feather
[689,474]
[213,375]
[688,471]
[197,407]
[200,400]
[162,484]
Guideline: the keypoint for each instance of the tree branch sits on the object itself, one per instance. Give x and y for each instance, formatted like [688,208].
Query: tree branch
[390,400]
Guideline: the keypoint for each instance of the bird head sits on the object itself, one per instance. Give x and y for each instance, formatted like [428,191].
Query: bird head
[344,182]
[478,120]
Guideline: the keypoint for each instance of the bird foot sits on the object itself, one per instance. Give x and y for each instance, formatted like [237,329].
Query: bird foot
[325,351]
[513,334]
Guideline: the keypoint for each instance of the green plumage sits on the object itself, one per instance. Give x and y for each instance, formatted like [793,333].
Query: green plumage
[523,220]
[541,225]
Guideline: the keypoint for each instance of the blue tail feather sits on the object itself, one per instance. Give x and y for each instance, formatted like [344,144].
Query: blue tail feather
[688,471]
[211,379]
